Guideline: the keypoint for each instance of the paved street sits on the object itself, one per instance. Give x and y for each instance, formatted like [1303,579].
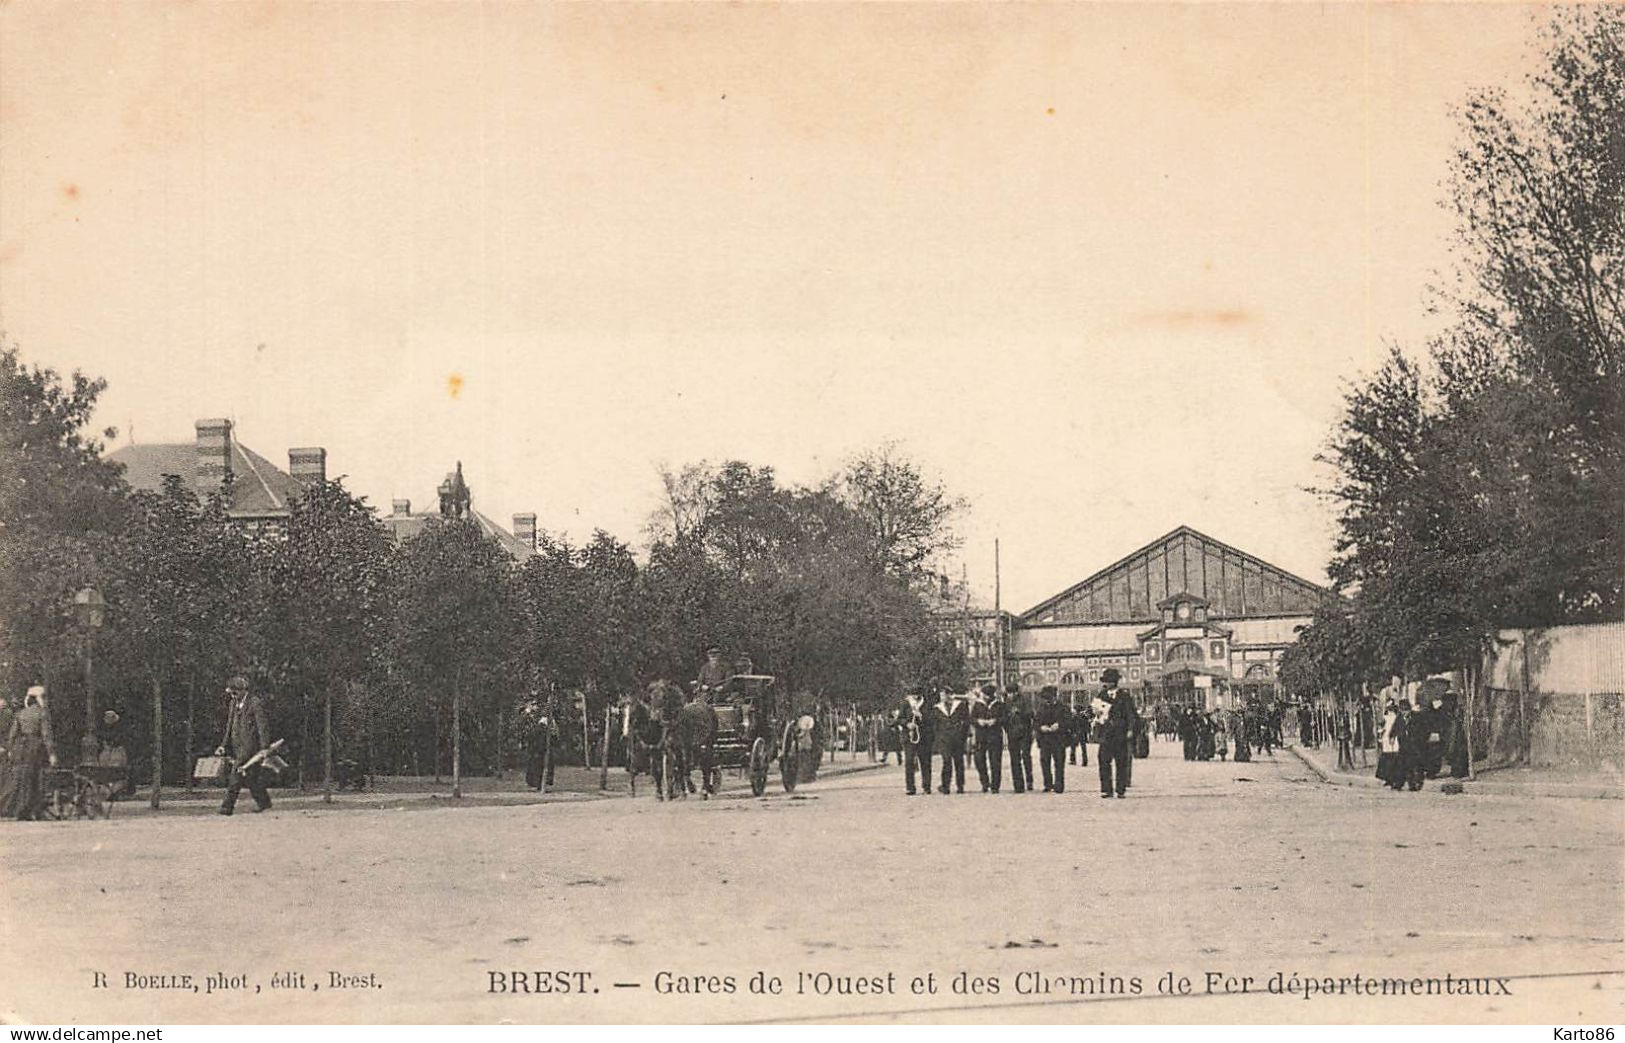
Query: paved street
[1239,869]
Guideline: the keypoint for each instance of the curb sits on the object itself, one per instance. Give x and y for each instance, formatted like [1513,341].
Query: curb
[1336,778]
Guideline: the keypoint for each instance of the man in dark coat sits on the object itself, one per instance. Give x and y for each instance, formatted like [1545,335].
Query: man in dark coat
[714,674]
[1412,746]
[1455,735]
[6,715]
[950,720]
[1433,735]
[987,715]
[1187,732]
[1018,734]
[1116,733]
[1077,732]
[915,720]
[247,733]
[1051,721]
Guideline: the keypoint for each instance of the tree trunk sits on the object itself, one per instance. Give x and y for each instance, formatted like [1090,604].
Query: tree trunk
[457,736]
[1470,682]
[586,734]
[1525,746]
[327,743]
[437,748]
[304,735]
[603,760]
[499,740]
[157,743]
[191,728]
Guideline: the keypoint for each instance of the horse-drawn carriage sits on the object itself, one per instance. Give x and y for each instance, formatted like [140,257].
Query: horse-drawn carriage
[751,735]
[736,725]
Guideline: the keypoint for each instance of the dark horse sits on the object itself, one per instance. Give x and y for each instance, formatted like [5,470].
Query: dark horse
[643,730]
[671,738]
[689,742]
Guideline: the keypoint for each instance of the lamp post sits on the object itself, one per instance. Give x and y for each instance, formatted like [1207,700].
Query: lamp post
[91,610]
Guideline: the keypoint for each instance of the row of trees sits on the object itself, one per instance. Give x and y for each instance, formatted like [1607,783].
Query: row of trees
[1479,484]
[413,657]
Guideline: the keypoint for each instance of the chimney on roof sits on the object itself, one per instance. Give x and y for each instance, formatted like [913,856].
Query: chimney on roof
[213,455]
[308,466]
[524,527]
[400,508]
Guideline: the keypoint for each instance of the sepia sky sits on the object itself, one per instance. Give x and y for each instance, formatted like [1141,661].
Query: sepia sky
[1100,267]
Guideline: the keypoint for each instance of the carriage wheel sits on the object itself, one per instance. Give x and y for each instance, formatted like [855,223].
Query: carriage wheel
[758,767]
[787,759]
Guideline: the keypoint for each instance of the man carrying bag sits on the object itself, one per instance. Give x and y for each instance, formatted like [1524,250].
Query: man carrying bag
[247,733]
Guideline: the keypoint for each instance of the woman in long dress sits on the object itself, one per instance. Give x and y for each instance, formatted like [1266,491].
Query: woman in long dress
[1238,735]
[1390,765]
[30,745]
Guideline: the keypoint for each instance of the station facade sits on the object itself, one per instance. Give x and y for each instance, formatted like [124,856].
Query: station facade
[1184,619]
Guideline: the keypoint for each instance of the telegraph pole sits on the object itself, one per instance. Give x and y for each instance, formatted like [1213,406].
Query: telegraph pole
[998,623]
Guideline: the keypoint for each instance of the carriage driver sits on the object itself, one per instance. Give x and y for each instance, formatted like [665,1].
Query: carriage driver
[714,673]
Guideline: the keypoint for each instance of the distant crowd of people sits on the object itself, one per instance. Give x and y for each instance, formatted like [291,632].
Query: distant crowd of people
[1211,734]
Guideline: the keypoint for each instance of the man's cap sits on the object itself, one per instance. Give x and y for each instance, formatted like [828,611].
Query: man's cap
[988,689]
[35,689]
[238,683]
[713,649]
[1110,676]
[1049,691]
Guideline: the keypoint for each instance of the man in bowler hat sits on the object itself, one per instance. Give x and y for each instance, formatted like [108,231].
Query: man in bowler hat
[1050,719]
[247,733]
[1018,734]
[918,727]
[988,716]
[1116,735]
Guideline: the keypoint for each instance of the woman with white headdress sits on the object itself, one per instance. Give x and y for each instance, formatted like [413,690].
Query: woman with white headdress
[30,745]
[1390,765]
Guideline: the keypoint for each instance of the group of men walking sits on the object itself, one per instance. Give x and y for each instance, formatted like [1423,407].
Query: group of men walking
[986,722]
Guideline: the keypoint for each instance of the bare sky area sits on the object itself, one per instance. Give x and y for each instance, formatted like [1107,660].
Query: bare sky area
[1100,267]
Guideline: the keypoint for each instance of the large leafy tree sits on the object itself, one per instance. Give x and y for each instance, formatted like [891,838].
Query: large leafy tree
[325,586]
[180,604]
[586,621]
[60,503]
[1480,487]
[453,639]
[802,580]
[905,515]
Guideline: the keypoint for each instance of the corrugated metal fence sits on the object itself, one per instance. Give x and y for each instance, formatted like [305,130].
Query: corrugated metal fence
[1552,699]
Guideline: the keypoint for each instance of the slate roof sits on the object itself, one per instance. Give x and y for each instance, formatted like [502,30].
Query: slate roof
[260,487]
[1293,586]
[405,526]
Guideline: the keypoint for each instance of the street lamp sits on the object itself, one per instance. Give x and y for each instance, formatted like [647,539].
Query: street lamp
[91,609]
